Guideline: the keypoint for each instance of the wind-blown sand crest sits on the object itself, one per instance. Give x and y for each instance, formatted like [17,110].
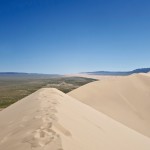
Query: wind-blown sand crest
[126,100]
[51,120]
[97,77]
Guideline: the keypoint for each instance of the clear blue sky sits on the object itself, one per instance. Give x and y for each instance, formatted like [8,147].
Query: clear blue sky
[68,36]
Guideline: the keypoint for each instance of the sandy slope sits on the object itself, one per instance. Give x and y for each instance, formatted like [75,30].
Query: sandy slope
[51,120]
[98,77]
[126,100]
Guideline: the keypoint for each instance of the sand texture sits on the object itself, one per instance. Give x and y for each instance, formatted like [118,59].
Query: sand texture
[97,77]
[51,120]
[126,100]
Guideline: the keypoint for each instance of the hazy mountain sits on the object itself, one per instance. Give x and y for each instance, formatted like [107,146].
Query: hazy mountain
[122,73]
[22,74]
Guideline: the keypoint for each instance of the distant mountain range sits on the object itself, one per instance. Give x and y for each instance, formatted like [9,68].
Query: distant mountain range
[119,73]
[22,74]
[115,73]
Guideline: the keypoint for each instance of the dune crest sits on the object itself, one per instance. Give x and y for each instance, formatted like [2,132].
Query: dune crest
[50,119]
[126,100]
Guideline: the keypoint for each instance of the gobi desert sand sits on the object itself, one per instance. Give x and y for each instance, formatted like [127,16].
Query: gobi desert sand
[126,100]
[50,120]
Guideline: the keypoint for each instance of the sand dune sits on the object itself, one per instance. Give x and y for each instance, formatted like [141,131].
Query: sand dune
[50,120]
[97,77]
[126,99]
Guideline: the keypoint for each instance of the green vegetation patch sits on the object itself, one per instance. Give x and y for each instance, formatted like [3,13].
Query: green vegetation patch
[13,89]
